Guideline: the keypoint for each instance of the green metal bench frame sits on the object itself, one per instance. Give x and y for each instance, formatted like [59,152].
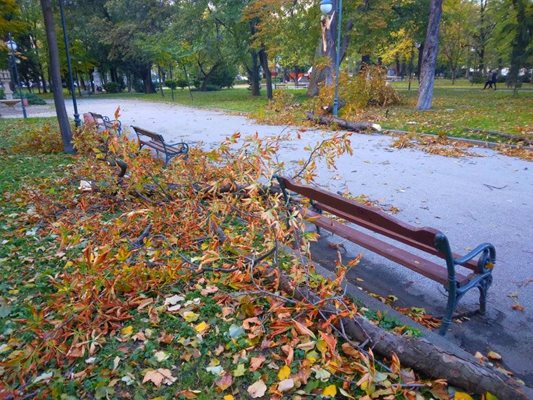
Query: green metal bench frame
[157,142]
[428,240]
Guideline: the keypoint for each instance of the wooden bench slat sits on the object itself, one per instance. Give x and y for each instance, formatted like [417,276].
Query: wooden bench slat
[418,264]
[391,234]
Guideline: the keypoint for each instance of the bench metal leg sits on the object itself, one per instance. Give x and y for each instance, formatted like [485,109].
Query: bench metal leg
[447,319]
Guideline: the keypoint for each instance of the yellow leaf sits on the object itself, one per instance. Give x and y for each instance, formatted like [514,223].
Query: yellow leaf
[190,316]
[494,356]
[229,397]
[490,396]
[462,396]
[322,346]
[330,391]
[201,327]
[284,372]
[128,330]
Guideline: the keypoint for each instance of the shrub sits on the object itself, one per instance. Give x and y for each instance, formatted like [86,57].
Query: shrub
[172,84]
[32,98]
[113,87]
[2,94]
[138,86]
[182,83]
[477,77]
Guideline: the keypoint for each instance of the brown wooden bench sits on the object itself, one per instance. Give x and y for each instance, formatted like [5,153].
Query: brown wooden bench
[103,122]
[427,240]
[157,142]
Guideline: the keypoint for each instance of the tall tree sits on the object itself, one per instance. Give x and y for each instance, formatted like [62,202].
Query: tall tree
[55,73]
[429,57]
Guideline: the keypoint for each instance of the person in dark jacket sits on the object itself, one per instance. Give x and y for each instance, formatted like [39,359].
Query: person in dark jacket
[491,81]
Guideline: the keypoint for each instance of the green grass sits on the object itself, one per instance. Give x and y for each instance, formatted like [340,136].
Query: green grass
[455,111]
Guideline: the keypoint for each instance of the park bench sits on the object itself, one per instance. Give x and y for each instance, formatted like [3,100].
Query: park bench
[103,122]
[280,85]
[157,142]
[428,241]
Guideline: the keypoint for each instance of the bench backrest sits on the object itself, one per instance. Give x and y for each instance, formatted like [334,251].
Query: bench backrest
[367,217]
[152,135]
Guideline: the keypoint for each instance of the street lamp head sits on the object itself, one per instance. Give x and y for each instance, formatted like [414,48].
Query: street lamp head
[326,6]
[11,45]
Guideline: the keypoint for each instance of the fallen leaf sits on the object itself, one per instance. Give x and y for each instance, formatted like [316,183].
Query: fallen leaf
[161,356]
[330,391]
[224,382]
[257,389]
[159,376]
[174,300]
[190,316]
[286,385]
[229,397]
[126,331]
[302,329]
[256,362]
[518,307]
[284,372]
[201,327]
[494,356]
[239,371]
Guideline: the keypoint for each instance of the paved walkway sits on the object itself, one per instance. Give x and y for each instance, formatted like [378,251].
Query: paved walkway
[471,199]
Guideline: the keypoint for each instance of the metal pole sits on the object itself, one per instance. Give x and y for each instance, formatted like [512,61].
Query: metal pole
[16,82]
[77,120]
[338,59]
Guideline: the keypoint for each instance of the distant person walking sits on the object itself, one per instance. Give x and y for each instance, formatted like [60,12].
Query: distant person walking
[491,81]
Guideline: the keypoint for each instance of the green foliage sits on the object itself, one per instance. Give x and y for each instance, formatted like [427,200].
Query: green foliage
[113,87]
[224,76]
[171,84]
[33,99]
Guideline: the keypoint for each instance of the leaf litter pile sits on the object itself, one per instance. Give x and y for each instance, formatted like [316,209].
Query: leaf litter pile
[176,283]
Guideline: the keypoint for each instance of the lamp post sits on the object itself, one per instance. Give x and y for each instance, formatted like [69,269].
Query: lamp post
[77,120]
[12,46]
[326,7]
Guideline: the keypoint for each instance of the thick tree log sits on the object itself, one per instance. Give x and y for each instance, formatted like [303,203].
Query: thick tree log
[419,353]
[342,123]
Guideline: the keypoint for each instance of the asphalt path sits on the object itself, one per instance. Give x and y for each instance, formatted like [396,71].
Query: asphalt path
[487,198]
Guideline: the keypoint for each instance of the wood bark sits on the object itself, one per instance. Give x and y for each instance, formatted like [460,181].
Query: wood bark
[342,123]
[429,58]
[263,57]
[417,353]
[55,74]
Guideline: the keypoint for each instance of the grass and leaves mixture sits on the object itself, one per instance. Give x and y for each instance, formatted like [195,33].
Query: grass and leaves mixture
[172,283]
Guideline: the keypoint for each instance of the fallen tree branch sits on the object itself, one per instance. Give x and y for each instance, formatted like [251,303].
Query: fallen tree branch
[342,123]
[419,353]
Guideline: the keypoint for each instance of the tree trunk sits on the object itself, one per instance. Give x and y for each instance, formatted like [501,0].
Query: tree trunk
[417,353]
[429,58]
[342,123]
[147,80]
[53,51]
[253,74]
[160,77]
[268,76]
[520,43]
[419,61]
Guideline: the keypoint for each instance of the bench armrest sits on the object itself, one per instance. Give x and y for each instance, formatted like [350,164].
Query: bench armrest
[485,262]
[184,146]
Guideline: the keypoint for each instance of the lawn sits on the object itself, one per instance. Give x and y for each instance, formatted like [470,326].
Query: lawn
[136,290]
